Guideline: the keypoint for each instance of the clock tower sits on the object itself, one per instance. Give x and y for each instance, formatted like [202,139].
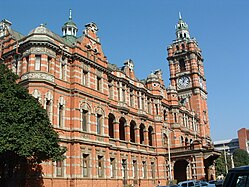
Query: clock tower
[187,76]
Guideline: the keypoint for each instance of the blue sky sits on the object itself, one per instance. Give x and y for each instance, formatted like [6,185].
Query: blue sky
[142,29]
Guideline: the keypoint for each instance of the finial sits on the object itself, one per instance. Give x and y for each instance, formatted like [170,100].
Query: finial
[180,16]
[70,14]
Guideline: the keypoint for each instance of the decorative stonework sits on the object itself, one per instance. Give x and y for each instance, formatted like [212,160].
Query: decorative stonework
[38,75]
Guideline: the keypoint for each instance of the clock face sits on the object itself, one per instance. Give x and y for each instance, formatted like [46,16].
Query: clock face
[183,82]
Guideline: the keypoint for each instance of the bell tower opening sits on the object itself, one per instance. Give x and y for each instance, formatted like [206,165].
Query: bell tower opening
[182,65]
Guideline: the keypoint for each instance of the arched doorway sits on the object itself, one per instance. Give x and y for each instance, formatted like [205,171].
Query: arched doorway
[180,170]
[209,167]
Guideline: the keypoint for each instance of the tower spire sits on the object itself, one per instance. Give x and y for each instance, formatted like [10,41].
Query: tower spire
[182,29]
[70,14]
[180,16]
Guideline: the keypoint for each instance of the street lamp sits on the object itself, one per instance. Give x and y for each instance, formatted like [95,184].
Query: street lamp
[169,156]
[225,157]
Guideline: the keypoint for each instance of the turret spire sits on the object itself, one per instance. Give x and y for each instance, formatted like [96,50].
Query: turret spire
[182,29]
[70,14]
[180,16]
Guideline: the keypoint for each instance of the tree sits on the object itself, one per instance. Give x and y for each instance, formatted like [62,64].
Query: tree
[27,137]
[220,164]
[240,157]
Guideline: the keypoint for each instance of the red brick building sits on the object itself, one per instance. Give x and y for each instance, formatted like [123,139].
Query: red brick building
[243,136]
[117,129]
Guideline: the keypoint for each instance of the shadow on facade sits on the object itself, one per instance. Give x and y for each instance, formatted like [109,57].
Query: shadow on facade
[28,176]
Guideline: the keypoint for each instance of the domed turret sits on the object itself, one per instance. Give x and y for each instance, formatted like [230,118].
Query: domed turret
[69,28]
[182,29]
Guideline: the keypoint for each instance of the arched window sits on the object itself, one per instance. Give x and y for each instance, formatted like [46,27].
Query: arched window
[182,140]
[164,115]
[150,135]
[84,119]
[183,46]
[182,65]
[99,124]
[132,131]
[111,119]
[61,111]
[122,123]
[99,120]
[165,140]
[60,116]
[186,141]
[141,133]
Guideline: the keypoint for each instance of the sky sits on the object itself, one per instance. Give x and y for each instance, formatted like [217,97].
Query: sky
[141,30]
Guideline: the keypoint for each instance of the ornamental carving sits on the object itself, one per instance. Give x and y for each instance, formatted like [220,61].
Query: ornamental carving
[37,75]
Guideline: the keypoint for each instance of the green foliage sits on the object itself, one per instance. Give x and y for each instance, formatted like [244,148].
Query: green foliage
[26,132]
[240,157]
[221,164]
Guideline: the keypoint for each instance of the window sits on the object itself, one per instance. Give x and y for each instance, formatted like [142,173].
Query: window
[110,89]
[242,180]
[132,131]
[144,170]
[37,62]
[63,71]
[182,65]
[134,169]
[27,61]
[165,140]
[183,46]
[150,136]
[131,98]
[48,107]
[84,120]
[124,169]
[84,77]
[111,119]
[152,170]
[123,95]
[59,168]
[85,165]
[112,167]
[100,166]
[98,83]
[156,105]
[175,117]
[60,120]
[164,115]
[99,121]
[149,106]
[122,122]
[141,132]
[138,100]
[143,106]
[49,62]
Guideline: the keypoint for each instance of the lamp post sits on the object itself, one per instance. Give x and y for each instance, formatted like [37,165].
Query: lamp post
[169,157]
[225,157]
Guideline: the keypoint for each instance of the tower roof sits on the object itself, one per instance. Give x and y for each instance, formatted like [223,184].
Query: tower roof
[70,20]
[182,29]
